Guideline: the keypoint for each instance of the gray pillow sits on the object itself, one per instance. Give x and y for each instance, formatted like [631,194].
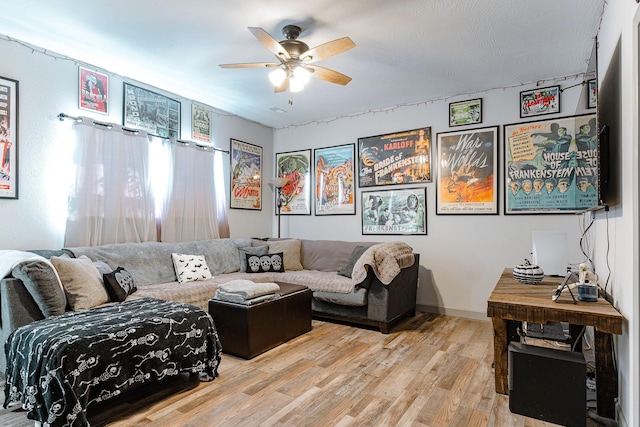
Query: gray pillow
[357,252]
[42,283]
[250,250]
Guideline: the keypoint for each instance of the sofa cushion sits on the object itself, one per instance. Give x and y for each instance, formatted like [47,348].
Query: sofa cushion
[81,281]
[357,298]
[251,250]
[119,284]
[43,285]
[327,255]
[291,250]
[190,268]
[269,263]
[347,269]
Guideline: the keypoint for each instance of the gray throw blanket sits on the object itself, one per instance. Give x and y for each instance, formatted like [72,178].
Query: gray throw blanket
[386,260]
[243,291]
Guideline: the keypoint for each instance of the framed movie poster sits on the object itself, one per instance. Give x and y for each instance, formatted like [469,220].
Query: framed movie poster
[592,96]
[200,123]
[154,113]
[395,212]
[246,175]
[395,158]
[93,90]
[8,138]
[467,178]
[335,184]
[551,166]
[539,101]
[465,112]
[296,194]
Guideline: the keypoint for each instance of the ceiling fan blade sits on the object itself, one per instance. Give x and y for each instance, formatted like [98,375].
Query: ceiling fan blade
[269,42]
[251,65]
[283,87]
[328,49]
[329,75]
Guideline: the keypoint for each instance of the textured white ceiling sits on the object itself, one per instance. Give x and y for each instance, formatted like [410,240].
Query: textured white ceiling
[407,51]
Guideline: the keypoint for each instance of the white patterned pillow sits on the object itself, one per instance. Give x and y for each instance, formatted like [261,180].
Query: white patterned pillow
[190,268]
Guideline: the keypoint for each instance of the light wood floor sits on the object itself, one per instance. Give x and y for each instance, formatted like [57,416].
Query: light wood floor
[429,371]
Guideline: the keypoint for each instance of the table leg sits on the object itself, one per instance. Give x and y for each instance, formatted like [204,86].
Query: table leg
[606,375]
[500,354]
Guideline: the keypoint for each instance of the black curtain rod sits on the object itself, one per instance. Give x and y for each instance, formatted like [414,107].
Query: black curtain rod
[63,116]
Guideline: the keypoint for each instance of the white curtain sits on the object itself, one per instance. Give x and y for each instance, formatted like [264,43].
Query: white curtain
[110,200]
[190,210]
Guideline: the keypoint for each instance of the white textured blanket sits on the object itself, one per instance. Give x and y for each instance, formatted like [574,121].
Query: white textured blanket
[386,259]
[248,289]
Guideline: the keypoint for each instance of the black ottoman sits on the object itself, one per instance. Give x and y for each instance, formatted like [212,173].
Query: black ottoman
[249,330]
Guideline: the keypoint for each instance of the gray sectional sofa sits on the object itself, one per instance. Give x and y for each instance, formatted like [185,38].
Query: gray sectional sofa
[313,263]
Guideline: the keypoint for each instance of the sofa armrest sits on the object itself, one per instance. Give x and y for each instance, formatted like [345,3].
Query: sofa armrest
[389,302]
[17,308]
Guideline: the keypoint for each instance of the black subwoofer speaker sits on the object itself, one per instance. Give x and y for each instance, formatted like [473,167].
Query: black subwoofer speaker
[548,384]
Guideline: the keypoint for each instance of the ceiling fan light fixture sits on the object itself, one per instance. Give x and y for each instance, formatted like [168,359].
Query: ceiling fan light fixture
[277,76]
[302,75]
[295,84]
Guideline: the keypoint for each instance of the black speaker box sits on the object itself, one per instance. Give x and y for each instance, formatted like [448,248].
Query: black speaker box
[548,384]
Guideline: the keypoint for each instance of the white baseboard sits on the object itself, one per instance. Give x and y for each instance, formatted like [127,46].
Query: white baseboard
[452,312]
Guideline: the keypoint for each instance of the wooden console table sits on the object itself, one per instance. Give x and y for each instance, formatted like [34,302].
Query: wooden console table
[512,302]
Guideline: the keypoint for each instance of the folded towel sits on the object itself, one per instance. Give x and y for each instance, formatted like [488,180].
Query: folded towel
[223,296]
[248,289]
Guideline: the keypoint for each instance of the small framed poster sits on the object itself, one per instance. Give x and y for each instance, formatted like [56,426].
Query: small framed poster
[592,96]
[154,113]
[465,112]
[395,212]
[540,101]
[8,138]
[246,175]
[200,123]
[335,184]
[296,193]
[93,91]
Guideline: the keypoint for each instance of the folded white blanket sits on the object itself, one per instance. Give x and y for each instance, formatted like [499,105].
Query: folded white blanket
[224,296]
[248,289]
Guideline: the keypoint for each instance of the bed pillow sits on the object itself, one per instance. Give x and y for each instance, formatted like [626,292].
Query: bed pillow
[357,252]
[269,263]
[251,250]
[81,281]
[190,268]
[42,283]
[291,250]
[119,284]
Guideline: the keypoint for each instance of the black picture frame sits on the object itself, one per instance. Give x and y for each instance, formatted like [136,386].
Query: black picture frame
[396,158]
[465,113]
[9,120]
[296,194]
[539,101]
[401,211]
[152,112]
[592,93]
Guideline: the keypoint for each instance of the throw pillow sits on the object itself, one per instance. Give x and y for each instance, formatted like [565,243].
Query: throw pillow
[355,255]
[291,250]
[269,263]
[119,284]
[190,268]
[251,250]
[42,283]
[81,282]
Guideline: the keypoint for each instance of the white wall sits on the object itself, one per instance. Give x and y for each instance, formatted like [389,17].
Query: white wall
[462,256]
[49,86]
[621,228]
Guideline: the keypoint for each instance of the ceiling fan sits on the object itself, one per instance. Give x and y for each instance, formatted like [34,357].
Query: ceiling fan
[295,59]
